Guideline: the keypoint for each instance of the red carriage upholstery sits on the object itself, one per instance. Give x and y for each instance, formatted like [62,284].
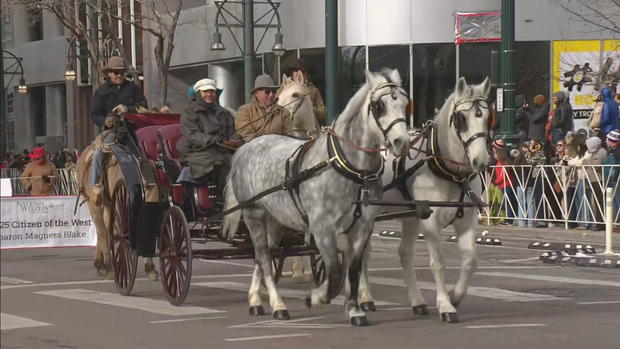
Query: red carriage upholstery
[152,119]
[169,136]
[149,141]
[204,201]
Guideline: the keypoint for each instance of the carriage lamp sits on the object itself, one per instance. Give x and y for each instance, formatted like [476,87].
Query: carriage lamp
[70,74]
[217,44]
[278,46]
[22,88]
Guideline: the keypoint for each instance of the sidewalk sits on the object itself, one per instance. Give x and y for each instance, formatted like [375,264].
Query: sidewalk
[556,234]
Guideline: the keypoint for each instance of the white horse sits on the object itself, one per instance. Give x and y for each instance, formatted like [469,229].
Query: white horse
[457,150]
[341,168]
[293,95]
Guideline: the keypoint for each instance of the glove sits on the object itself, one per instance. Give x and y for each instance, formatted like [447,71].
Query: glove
[46,179]
[120,110]
[232,143]
[109,121]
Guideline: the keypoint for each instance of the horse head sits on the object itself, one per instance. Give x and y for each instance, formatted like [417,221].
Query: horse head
[386,108]
[469,121]
[294,96]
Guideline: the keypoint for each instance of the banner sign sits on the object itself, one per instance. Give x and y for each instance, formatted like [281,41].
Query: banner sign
[579,67]
[32,222]
[477,27]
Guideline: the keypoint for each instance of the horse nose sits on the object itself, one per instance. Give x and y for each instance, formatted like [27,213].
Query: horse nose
[478,164]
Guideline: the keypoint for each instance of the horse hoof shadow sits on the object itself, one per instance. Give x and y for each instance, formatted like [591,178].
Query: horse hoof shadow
[359,321]
[368,306]
[281,315]
[257,310]
[421,309]
[451,318]
[153,275]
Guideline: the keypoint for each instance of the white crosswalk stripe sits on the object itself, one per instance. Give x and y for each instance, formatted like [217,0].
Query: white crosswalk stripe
[486,292]
[10,322]
[139,303]
[549,278]
[284,292]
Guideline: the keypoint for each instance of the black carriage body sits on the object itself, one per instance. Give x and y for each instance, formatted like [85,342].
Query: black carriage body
[146,218]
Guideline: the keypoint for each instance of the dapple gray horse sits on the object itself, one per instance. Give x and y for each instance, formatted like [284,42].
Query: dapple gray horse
[460,131]
[329,198]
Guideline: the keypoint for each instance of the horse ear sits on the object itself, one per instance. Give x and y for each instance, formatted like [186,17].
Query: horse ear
[485,87]
[370,78]
[461,87]
[393,75]
[285,79]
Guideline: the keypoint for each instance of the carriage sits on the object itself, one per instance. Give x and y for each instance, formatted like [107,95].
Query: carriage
[153,215]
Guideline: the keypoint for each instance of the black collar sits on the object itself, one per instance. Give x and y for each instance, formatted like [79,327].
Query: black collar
[345,168]
[439,167]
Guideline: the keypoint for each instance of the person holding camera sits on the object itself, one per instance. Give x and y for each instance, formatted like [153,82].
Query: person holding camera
[39,175]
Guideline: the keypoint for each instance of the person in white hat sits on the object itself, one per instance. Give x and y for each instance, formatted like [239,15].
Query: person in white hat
[261,116]
[208,136]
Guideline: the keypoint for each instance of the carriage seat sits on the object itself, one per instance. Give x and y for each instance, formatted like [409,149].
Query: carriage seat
[168,138]
[151,148]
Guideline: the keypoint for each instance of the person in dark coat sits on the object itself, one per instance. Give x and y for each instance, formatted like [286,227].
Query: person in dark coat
[521,116]
[609,114]
[562,121]
[209,137]
[537,118]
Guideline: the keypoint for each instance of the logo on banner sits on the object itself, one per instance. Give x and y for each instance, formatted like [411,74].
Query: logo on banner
[32,206]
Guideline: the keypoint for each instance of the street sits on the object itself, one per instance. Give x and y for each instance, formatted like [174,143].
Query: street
[51,298]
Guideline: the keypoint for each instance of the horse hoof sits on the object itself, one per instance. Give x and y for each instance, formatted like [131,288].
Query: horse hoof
[257,310]
[103,273]
[451,318]
[153,275]
[421,309]
[281,315]
[98,264]
[368,306]
[359,321]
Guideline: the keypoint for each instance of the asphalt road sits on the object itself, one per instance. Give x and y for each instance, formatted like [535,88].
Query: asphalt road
[51,298]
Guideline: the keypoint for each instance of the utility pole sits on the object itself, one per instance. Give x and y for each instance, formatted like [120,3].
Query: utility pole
[331,59]
[248,47]
[3,114]
[507,76]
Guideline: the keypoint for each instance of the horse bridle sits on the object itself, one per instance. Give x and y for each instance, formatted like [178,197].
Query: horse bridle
[459,121]
[377,108]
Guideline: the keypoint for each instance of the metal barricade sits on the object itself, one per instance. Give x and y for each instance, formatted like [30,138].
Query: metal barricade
[65,184]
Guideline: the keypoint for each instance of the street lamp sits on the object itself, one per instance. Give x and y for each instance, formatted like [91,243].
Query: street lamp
[226,19]
[70,74]
[22,88]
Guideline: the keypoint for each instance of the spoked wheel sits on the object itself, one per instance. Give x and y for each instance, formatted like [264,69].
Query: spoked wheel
[124,258]
[318,267]
[277,267]
[175,255]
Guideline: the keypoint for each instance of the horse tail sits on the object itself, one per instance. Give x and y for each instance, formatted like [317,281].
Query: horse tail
[232,219]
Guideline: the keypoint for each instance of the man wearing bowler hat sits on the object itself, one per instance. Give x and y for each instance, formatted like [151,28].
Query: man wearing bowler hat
[261,116]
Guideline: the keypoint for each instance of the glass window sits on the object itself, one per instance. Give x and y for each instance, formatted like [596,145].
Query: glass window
[37,98]
[35,24]
[475,60]
[392,57]
[434,71]
[351,68]
[532,69]
[315,62]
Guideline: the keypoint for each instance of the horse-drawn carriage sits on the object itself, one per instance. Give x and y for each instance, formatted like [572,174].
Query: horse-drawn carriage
[150,211]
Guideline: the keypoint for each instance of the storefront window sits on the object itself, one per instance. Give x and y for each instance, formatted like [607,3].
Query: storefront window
[475,61]
[434,74]
[351,68]
[532,69]
[392,57]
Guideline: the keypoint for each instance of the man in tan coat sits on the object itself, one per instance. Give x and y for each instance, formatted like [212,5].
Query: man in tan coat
[39,175]
[261,116]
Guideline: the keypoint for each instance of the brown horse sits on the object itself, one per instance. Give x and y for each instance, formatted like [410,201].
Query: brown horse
[101,211]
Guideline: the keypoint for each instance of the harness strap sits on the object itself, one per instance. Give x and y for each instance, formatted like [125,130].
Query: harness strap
[345,168]
[292,172]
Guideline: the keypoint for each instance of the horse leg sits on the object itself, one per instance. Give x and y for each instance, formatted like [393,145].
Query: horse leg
[256,220]
[256,305]
[105,242]
[406,252]
[101,263]
[333,270]
[366,299]
[149,269]
[438,268]
[469,261]
[298,269]
[358,245]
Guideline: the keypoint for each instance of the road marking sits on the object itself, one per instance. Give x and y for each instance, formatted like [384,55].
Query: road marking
[14,281]
[297,323]
[9,322]
[519,260]
[241,339]
[505,326]
[599,302]
[486,292]
[499,267]
[560,279]
[228,263]
[188,319]
[139,303]
[284,292]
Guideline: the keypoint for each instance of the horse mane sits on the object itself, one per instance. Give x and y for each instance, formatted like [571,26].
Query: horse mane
[354,105]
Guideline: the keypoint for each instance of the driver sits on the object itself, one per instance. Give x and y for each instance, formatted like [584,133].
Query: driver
[115,96]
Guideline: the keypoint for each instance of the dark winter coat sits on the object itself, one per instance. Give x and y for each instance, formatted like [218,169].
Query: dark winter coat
[563,117]
[110,95]
[536,122]
[609,114]
[203,126]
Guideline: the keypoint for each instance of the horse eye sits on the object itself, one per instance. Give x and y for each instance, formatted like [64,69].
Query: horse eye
[295,95]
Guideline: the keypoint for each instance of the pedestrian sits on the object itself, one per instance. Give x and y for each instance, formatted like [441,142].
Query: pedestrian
[537,117]
[522,175]
[609,113]
[535,157]
[561,119]
[522,116]
[261,116]
[613,158]
[39,175]
[504,180]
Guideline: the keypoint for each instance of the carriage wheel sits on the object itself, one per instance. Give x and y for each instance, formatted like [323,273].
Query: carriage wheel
[124,258]
[277,267]
[175,255]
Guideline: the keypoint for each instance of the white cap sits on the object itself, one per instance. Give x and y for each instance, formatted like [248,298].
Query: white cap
[204,85]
